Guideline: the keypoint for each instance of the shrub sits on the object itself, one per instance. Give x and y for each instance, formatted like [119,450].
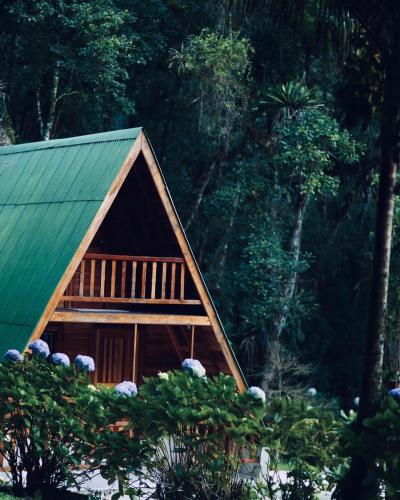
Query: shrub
[49,422]
[303,439]
[379,438]
[190,432]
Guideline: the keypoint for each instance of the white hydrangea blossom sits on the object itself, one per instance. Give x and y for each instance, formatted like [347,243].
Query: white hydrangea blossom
[257,393]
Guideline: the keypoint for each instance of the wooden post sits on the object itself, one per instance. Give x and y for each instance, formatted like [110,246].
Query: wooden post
[135,353]
[192,343]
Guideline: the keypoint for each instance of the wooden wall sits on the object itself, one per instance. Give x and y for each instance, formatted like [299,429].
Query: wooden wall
[159,348]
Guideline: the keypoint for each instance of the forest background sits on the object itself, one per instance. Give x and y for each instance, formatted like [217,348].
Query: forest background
[268,135]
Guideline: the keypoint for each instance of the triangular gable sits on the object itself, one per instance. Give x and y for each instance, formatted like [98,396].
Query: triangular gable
[89,220]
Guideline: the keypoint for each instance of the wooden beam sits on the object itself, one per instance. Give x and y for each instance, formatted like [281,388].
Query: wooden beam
[192,343]
[130,300]
[175,342]
[191,263]
[135,353]
[87,239]
[137,258]
[72,316]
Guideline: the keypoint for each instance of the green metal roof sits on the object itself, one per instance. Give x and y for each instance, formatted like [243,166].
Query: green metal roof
[49,195]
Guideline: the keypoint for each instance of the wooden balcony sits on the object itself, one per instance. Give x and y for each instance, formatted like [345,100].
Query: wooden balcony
[125,279]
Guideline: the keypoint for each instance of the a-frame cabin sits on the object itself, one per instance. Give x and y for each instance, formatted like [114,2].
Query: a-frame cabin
[93,258]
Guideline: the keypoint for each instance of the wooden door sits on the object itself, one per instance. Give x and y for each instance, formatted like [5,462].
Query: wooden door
[114,354]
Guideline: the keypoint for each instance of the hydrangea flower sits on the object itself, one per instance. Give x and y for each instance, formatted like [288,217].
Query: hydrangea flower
[356,401]
[194,367]
[395,393]
[60,358]
[312,392]
[85,363]
[39,348]
[163,375]
[126,388]
[257,393]
[13,355]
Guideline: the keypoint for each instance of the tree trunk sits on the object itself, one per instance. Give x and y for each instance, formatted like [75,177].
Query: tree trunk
[371,388]
[294,249]
[219,259]
[200,194]
[51,115]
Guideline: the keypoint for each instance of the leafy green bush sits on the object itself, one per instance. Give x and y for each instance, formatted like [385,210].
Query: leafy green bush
[379,438]
[191,432]
[303,440]
[50,420]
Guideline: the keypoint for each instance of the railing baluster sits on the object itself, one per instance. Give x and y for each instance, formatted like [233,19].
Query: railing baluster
[163,279]
[173,271]
[153,280]
[144,277]
[113,269]
[102,277]
[123,278]
[82,278]
[92,276]
[133,286]
[182,295]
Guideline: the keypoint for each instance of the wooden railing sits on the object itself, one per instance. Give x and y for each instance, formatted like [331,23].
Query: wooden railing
[128,279]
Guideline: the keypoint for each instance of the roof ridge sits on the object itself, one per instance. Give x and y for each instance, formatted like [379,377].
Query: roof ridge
[115,135]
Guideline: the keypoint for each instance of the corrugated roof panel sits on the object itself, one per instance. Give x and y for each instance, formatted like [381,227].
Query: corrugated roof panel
[49,195]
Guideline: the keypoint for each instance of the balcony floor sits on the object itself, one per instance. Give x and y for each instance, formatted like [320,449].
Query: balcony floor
[113,316]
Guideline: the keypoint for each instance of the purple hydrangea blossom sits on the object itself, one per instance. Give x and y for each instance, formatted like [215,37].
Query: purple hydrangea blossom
[39,348]
[257,393]
[395,393]
[13,355]
[194,367]
[126,388]
[84,363]
[60,358]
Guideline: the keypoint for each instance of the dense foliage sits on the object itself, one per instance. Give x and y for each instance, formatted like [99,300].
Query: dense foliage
[50,420]
[248,117]
[181,435]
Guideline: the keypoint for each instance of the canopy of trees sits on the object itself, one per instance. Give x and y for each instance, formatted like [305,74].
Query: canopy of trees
[268,134]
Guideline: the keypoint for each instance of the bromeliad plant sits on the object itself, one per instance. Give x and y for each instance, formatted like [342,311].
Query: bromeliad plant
[49,420]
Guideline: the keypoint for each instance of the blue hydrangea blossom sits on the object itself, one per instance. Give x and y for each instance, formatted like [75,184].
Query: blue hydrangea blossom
[312,392]
[194,367]
[13,355]
[257,393]
[85,363]
[395,393]
[60,358]
[126,388]
[39,348]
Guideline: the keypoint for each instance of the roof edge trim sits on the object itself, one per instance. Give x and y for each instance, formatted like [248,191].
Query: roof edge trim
[116,135]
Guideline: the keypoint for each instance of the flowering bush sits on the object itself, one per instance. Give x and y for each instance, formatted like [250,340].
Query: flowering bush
[13,355]
[49,421]
[194,367]
[60,358]
[257,393]
[126,388]
[85,363]
[193,431]
[39,348]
